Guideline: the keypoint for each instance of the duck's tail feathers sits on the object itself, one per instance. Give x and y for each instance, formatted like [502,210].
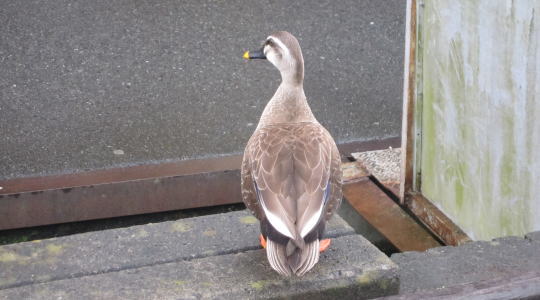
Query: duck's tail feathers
[289,259]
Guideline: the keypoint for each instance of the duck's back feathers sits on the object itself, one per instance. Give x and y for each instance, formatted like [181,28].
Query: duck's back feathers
[291,171]
[291,181]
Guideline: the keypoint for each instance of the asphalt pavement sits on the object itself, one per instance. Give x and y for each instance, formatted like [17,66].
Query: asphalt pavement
[100,84]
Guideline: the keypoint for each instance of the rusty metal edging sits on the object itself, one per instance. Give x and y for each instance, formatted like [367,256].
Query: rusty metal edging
[122,174]
[436,220]
[28,202]
[387,217]
[180,168]
[118,199]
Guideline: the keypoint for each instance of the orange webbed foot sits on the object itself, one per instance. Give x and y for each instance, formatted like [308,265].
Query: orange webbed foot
[262,240]
[324,244]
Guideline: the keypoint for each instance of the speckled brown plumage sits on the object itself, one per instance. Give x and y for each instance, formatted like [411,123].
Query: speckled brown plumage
[282,154]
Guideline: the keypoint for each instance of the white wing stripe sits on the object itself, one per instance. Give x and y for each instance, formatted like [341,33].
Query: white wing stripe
[311,222]
[278,224]
[315,217]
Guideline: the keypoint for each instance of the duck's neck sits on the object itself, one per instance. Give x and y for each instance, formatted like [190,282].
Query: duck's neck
[288,105]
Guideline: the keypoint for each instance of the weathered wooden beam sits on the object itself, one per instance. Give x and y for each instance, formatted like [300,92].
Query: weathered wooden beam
[435,220]
[381,212]
[409,96]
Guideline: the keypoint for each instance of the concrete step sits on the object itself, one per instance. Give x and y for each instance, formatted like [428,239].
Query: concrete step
[204,257]
[474,262]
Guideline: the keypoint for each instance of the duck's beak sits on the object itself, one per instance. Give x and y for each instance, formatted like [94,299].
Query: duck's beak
[258,54]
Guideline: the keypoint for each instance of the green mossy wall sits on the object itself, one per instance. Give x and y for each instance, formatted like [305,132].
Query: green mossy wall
[480,153]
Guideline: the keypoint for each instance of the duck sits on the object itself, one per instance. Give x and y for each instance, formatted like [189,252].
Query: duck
[291,176]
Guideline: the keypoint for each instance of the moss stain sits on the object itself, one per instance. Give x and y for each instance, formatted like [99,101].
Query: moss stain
[208,252]
[180,226]
[364,278]
[259,285]
[53,249]
[209,232]
[7,281]
[141,233]
[459,188]
[248,220]
[10,256]
[384,284]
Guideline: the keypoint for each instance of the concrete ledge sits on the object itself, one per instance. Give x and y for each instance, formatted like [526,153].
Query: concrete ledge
[509,286]
[478,261]
[215,256]
[352,267]
[133,247]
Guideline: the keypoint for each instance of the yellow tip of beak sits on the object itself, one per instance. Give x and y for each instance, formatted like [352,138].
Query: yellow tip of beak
[246,55]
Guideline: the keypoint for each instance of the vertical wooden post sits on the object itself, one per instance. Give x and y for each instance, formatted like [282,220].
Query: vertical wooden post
[409,89]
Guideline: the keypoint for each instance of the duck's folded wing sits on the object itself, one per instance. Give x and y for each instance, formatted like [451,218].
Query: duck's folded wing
[291,168]
[316,159]
[335,194]
[249,194]
[271,165]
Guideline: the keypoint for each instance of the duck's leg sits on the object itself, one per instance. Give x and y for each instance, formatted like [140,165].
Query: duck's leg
[262,240]
[324,244]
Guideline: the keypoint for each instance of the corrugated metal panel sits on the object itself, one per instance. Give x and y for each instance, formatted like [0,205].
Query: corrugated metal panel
[480,114]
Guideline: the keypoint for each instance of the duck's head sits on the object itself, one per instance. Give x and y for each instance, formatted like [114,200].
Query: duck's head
[283,51]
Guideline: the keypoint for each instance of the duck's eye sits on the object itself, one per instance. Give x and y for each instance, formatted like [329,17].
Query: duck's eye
[269,43]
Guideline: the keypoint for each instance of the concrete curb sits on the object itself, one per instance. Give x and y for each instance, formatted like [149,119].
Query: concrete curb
[216,256]
[477,261]
[352,267]
[133,247]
